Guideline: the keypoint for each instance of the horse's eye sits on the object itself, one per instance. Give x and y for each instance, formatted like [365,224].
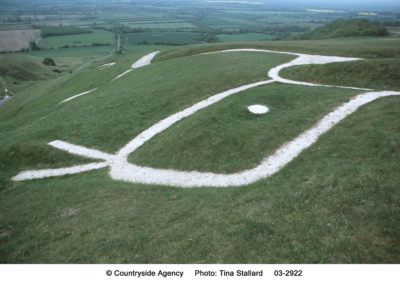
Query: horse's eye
[258,109]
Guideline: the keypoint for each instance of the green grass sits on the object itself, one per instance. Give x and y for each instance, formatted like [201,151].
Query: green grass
[227,138]
[345,28]
[345,211]
[335,203]
[18,71]
[24,68]
[279,18]
[162,25]
[161,37]
[243,37]
[364,47]
[99,37]
[73,52]
[132,109]
[48,94]
[91,52]
[381,74]
[48,31]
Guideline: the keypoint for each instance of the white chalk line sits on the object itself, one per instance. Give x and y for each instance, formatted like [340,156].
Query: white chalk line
[167,122]
[29,175]
[121,169]
[302,59]
[78,95]
[122,74]
[143,61]
[106,65]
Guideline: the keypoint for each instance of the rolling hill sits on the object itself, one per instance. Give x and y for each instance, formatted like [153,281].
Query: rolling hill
[336,202]
[345,28]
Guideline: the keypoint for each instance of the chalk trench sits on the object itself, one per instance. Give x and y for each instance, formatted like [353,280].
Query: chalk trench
[121,169]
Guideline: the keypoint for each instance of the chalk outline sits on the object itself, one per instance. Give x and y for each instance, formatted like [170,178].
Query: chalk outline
[121,169]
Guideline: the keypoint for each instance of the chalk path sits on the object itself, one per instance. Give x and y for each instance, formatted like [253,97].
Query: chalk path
[121,169]
[145,60]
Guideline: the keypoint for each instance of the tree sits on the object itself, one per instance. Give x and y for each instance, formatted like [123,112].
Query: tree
[49,61]
[118,31]
[34,46]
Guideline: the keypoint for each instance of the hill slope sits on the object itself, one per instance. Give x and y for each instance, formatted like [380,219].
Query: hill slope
[345,28]
[24,68]
[333,204]
[17,70]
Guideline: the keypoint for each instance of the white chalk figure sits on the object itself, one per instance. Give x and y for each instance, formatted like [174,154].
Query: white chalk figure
[258,109]
[121,169]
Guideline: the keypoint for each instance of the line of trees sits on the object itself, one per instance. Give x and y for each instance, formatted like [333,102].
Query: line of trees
[346,28]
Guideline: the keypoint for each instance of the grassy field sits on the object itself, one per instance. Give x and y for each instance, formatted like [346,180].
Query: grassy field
[96,37]
[364,47]
[244,37]
[233,139]
[17,72]
[381,74]
[335,203]
[177,38]
[162,25]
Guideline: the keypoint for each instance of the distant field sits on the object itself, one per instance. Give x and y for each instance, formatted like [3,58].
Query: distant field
[17,39]
[128,15]
[279,18]
[161,37]
[162,25]
[15,26]
[221,22]
[394,30]
[102,37]
[244,37]
[72,52]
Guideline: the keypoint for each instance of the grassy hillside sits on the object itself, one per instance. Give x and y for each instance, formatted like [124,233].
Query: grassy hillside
[24,68]
[364,47]
[381,74]
[16,71]
[335,203]
[227,126]
[345,28]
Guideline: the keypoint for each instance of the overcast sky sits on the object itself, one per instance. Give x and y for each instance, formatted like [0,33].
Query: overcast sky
[359,3]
